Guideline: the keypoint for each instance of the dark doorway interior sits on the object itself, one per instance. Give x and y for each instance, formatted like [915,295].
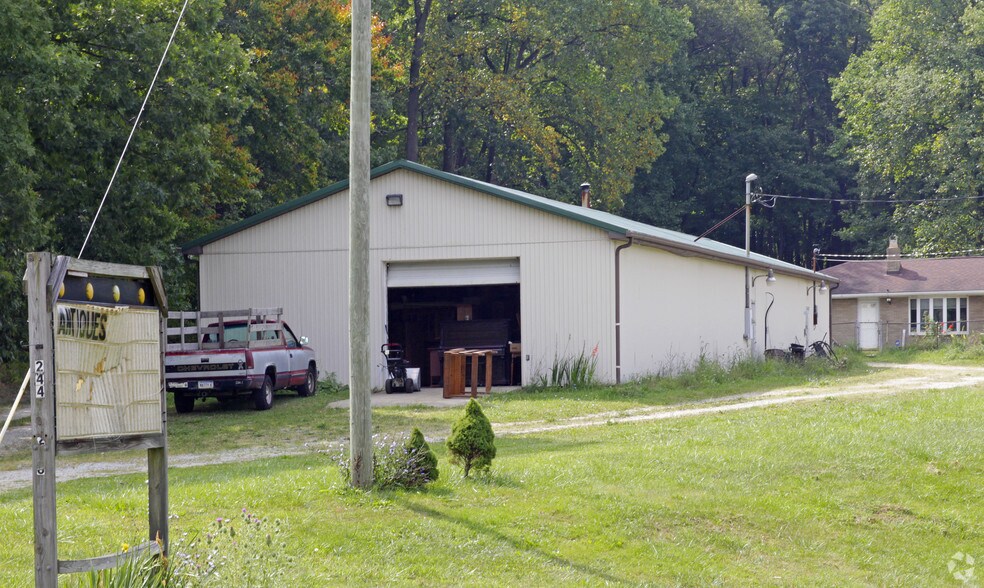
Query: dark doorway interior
[416,316]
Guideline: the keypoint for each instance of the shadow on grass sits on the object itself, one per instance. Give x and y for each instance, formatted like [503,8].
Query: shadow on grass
[516,543]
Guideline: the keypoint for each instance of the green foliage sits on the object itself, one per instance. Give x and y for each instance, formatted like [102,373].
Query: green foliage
[569,372]
[140,571]
[330,384]
[245,552]
[397,462]
[472,442]
[545,95]
[913,119]
[418,449]
[753,85]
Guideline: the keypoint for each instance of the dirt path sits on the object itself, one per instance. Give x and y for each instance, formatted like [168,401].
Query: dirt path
[898,378]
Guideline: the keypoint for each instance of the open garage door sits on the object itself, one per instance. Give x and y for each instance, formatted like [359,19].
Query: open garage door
[470,272]
[436,305]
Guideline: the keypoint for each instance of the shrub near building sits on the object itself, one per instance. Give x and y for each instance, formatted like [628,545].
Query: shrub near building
[472,442]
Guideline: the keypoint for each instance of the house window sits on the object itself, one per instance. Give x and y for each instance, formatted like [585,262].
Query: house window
[949,313]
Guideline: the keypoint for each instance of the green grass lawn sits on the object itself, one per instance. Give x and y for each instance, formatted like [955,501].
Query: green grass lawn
[293,421]
[949,349]
[840,492]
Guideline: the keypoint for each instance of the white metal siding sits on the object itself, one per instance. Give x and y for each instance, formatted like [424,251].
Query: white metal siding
[300,261]
[676,309]
[791,316]
[468,272]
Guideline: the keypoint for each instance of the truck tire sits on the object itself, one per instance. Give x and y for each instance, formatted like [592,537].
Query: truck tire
[184,403]
[263,397]
[310,385]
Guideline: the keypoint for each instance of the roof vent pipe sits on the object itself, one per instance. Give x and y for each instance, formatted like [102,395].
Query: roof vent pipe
[893,256]
[586,195]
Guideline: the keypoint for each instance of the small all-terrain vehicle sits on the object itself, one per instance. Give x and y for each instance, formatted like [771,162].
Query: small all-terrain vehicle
[402,377]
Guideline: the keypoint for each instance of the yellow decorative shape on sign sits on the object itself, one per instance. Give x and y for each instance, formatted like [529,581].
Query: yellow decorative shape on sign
[116,293]
[141,296]
[89,293]
[61,290]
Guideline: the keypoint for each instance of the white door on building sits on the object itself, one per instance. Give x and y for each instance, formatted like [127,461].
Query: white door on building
[868,315]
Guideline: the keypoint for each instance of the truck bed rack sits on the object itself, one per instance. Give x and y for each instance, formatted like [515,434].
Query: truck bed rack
[207,329]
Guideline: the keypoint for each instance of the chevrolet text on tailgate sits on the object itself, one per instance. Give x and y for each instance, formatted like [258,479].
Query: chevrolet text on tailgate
[228,353]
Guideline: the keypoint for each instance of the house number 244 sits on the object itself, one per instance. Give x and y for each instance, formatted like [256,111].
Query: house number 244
[39,378]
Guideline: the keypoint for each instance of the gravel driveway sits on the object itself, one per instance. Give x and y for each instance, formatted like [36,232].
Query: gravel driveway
[898,378]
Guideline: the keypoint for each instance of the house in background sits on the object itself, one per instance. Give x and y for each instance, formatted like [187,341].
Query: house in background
[887,302]
[462,263]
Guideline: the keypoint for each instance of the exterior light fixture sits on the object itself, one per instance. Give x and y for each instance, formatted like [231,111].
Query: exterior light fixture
[823,288]
[770,278]
[394,200]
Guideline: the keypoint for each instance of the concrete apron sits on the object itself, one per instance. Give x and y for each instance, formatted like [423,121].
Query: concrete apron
[425,397]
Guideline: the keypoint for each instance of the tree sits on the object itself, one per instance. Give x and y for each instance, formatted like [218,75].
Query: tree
[39,82]
[184,172]
[421,456]
[472,442]
[754,91]
[540,95]
[913,122]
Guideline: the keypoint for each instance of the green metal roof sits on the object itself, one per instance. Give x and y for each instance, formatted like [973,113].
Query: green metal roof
[617,226]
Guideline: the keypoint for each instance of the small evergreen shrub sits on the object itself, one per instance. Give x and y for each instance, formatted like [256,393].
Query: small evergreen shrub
[395,463]
[472,442]
[418,449]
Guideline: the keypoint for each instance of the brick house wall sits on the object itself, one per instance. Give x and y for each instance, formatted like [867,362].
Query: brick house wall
[894,318]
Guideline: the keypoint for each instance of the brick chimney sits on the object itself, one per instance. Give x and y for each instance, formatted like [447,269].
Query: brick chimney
[893,257]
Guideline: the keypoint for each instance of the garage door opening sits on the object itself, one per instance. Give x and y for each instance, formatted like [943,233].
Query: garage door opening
[427,320]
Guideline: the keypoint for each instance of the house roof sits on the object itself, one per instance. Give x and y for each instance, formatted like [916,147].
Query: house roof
[917,276]
[618,227]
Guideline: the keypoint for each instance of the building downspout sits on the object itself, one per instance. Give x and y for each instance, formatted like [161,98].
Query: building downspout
[830,314]
[618,310]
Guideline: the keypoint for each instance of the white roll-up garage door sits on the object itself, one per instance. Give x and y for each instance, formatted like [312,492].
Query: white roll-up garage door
[469,272]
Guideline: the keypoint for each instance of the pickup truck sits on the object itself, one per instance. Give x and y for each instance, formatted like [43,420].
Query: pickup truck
[231,353]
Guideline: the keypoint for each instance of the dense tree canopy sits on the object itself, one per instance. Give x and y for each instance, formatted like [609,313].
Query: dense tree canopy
[662,105]
[913,107]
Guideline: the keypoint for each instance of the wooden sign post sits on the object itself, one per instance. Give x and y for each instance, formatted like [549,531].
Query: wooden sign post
[97,354]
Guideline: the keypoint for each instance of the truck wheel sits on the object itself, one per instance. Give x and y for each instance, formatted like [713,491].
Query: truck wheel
[310,385]
[263,398]
[389,386]
[184,403]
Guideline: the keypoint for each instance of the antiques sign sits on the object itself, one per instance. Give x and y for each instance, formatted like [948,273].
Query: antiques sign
[108,362]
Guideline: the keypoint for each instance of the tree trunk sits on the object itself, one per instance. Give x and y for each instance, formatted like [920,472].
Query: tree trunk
[420,15]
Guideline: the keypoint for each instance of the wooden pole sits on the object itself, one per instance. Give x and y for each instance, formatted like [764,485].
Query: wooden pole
[157,483]
[360,413]
[42,418]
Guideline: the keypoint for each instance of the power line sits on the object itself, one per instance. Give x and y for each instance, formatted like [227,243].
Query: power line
[882,256]
[876,200]
[133,130]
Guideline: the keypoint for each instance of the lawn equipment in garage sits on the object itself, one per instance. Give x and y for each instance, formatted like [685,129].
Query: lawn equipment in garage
[402,377]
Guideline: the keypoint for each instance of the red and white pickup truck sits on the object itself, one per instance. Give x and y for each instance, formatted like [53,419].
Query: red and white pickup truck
[229,353]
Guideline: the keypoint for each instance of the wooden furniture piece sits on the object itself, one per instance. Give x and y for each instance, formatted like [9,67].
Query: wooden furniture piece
[455,364]
[477,335]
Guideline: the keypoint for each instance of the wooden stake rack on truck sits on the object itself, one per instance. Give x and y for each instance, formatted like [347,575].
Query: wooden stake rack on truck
[229,353]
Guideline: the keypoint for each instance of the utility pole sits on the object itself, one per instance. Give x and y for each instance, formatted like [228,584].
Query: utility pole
[360,412]
[748,253]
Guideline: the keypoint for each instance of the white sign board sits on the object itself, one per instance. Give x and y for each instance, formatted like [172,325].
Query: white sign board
[109,371]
